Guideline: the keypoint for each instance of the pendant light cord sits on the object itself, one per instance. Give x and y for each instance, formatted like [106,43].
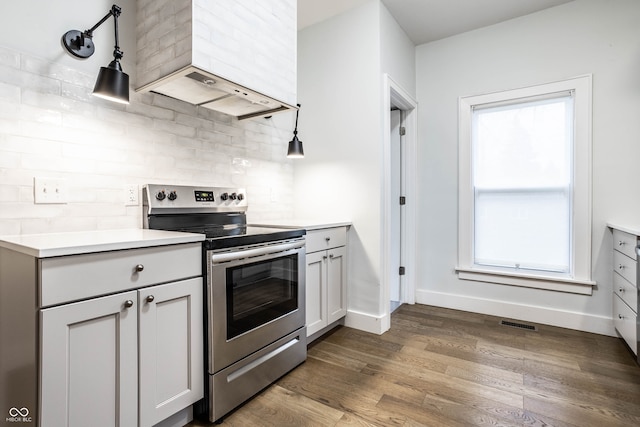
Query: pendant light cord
[295,129]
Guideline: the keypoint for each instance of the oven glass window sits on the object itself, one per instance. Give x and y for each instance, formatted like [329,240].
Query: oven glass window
[260,292]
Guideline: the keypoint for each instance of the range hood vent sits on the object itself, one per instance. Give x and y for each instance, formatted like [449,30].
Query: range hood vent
[198,87]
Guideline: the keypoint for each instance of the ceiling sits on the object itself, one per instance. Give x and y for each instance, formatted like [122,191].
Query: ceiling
[428,20]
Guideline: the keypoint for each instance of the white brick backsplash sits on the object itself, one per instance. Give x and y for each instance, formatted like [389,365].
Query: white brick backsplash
[9,57]
[21,144]
[151,111]
[8,126]
[9,92]
[51,126]
[9,193]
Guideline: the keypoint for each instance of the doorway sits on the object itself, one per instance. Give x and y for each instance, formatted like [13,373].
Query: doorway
[399,181]
[397,191]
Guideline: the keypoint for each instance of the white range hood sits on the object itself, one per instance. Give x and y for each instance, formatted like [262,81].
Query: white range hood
[231,56]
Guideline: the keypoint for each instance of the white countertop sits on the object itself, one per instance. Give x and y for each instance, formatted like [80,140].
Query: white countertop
[82,242]
[631,229]
[307,224]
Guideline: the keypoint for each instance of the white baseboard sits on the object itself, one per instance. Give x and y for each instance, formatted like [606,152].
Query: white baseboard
[546,316]
[365,322]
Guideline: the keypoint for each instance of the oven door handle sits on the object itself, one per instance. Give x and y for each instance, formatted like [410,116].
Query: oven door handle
[217,258]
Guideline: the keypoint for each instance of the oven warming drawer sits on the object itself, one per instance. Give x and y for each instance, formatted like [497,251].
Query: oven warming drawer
[237,383]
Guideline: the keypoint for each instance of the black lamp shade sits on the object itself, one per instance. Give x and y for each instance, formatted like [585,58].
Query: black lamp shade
[295,148]
[112,83]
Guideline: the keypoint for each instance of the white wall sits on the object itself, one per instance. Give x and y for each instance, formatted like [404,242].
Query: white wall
[51,126]
[581,37]
[36,27]
[398,52]
[338,75]
[340,82]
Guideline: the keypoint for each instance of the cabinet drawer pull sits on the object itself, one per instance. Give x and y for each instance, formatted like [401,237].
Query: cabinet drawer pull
[150,298]
[327,239]
[128,303]
[139,267]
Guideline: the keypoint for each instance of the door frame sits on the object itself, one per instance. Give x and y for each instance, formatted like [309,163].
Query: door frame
[396,96]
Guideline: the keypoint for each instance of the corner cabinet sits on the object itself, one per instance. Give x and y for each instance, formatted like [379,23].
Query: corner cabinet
[326,279]
[626,244]
[120,334]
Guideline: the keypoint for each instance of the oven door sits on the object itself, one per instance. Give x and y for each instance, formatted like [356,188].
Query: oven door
[256,295]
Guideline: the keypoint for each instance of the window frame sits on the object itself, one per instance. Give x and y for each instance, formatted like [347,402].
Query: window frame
[579,279]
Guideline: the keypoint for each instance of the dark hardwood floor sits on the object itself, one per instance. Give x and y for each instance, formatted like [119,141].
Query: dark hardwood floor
[440,367]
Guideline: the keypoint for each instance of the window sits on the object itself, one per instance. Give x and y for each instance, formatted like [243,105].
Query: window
[525,187]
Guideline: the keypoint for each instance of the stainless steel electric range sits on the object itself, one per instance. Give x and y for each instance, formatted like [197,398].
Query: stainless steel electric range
[255,289]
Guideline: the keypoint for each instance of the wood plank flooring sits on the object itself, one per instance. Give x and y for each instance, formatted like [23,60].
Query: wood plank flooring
[440,367]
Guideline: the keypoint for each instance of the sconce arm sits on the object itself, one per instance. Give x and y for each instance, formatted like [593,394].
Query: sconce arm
[80,44]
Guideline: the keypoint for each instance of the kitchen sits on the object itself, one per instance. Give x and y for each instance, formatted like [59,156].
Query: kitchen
[51,127]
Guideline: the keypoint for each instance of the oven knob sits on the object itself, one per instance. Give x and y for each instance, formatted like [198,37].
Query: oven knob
[224,196]
[172,195]
[240,197]
[233,196]
[161,195]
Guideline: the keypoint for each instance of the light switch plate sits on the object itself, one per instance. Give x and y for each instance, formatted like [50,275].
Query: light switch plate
[131,195]
[50,190]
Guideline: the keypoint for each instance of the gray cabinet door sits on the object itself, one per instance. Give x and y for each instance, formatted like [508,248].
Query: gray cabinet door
[171,349]
[315,292]
[336,284]
[89,363]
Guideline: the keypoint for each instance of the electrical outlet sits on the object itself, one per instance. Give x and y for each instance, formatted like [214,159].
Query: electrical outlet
[131,195]
[50,190]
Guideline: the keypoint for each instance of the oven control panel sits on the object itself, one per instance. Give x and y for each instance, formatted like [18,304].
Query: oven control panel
[159,199]
[204,196]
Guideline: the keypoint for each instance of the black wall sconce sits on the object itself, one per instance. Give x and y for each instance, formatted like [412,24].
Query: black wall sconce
[112,83]
[295,145]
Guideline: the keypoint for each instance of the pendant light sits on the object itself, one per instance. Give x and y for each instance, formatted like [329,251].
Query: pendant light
[112,83]
[295,145]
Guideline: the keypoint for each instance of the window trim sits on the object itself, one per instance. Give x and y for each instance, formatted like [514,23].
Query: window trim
[580,282]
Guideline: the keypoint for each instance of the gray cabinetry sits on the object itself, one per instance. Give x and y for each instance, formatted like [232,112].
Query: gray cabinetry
[108,338]
[326,279]
[625,286]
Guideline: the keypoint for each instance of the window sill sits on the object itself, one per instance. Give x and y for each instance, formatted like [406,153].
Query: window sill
[549,283]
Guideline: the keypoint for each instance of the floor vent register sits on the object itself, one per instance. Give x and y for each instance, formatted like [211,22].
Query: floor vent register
[518,325]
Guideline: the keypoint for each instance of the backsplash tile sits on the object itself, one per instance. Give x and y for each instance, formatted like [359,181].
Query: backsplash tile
[51,126]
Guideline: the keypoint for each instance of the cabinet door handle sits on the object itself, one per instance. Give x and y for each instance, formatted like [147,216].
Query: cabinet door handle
[150,298]
[621,267]
[331,256]
[621,290]
[621,243]
[139,267]
[128,303]
[324,257]
[620,316]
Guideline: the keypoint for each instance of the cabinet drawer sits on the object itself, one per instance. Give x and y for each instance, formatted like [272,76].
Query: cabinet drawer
[625,266]
[76,277]
[625,243]
[626,291]
[326,238]
[624,319]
